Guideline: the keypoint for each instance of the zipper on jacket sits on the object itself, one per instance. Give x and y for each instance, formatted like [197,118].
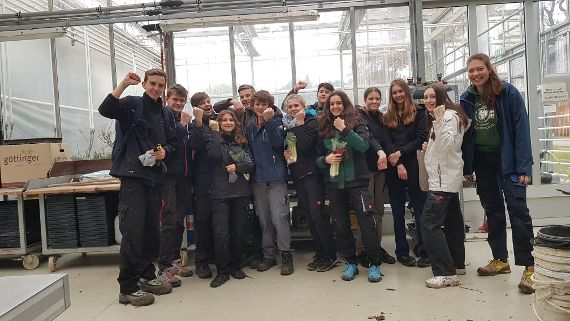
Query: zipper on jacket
[439,173]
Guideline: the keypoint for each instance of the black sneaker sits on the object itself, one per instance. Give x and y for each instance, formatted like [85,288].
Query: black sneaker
[407,260]
[238,274]
[219,280]
[203,271]
[266,264]
[326,264]
[423,262]
[387,258]
[312,266]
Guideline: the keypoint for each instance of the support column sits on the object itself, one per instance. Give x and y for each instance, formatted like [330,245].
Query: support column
[472,29]
[292,47]
[417,37]
[233,61]
[533,65]
[169,59]
[55,84]
[112,50]
[353,51]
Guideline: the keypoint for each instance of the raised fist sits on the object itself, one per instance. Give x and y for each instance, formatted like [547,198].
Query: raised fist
[214,125]
[438,112]
[300,117]
[185,118]
[339,124]
[268,114]
[198,113]
[131,79]
[300,85]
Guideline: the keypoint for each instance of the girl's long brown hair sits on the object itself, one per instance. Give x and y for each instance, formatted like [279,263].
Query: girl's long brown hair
[237,133]
[326,119]
[442,98]
[408,112]
[493,86]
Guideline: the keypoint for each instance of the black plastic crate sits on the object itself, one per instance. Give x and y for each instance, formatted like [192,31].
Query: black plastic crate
[96,214]
[61,222]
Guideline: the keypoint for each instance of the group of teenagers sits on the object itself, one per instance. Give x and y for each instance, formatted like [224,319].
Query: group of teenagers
[225,155]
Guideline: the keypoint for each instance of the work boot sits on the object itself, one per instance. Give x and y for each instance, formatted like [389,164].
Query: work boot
[238,274]
[287,263]
[525,285]
[138,298]
[494,267]
[155,286]
[179,269]
[407,260]
[169,277]
[266,264]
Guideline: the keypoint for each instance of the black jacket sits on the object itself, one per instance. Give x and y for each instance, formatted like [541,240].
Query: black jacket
[218,150]
[142,124]
[374,123]
[408,140]
[202,168]
[307,135]
[181,164]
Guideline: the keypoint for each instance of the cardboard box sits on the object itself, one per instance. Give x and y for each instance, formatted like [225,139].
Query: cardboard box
[19,163]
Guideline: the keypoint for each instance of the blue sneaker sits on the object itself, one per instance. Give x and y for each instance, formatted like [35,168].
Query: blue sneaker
[374,274]
[349,272]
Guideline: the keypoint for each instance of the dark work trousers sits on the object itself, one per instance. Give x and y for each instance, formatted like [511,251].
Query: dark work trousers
[139,215]
[494,190]
[229,222]
[203,234]
[176,195]
[311,197]
[398,205]
[378,189]
[362,204]
[252,247]
[445,247]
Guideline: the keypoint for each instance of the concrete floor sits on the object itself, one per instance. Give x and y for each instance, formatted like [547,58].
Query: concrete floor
[401,295]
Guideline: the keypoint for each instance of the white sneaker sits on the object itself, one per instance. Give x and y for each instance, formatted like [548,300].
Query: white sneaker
[438,282]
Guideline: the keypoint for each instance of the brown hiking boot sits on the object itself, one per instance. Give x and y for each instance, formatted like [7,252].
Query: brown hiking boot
[155,286]
[525,285]
[138,298]
[494,267]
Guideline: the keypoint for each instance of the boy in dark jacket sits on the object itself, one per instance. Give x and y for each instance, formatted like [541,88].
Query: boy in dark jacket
[144,126]
[176,191]
[265,137]
[200,130]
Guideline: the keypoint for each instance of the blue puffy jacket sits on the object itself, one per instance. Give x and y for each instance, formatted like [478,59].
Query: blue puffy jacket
[514,131]
[266,144]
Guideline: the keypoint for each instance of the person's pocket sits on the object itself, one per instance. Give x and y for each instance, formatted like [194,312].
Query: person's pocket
[367,202]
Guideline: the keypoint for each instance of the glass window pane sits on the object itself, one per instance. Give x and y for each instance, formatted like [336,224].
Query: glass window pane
[323,53]
[263,58]
[203,61]
[554,131]
[22,99]
[383,48]
[446,43]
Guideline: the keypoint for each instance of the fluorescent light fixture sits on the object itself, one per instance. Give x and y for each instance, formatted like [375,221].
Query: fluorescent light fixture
[32,34]
[247,19]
